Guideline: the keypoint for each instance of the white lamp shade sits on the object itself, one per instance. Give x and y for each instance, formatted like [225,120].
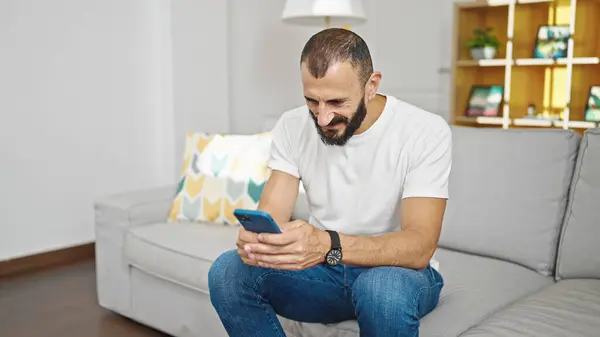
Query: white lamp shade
[313,12]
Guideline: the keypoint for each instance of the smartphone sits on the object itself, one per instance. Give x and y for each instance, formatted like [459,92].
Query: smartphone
[256,221]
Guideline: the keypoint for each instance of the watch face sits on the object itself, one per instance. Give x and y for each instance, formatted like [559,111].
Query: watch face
[334,257]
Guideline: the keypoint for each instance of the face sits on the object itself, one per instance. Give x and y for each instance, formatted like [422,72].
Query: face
[341,128]
[336,102]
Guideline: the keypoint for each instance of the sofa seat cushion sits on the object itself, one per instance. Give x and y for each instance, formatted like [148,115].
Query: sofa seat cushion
[475,287]
[181,253]
[568,308]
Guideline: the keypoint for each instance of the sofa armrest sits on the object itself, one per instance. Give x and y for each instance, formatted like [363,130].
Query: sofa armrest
[115,216]
[135,208]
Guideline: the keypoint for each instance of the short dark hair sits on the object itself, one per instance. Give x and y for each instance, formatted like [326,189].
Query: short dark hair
[334,45]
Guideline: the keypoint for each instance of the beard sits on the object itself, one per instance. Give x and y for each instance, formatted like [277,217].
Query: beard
[331,137]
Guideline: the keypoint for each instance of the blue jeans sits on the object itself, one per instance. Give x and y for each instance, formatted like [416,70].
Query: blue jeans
[386,301]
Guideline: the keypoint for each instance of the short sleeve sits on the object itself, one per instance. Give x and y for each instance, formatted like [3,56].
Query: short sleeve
[428,174]
[282,156]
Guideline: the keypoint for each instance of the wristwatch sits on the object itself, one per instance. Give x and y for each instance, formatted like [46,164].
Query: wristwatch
[334,255]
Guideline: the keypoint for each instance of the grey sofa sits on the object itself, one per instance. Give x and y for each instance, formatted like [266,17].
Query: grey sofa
[519,250]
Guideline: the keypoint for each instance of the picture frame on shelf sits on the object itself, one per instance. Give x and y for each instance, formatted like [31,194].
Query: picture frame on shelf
[592,108]
[485,100]
[552,42]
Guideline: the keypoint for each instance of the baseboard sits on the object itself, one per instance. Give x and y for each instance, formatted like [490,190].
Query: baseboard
[48,260]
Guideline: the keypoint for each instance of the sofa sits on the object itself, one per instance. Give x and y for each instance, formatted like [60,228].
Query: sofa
[519,249]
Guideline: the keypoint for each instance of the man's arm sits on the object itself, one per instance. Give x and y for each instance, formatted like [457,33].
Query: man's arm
[279,196]
[413,247]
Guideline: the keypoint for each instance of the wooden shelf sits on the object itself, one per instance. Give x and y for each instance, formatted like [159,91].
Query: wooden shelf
[524,2]
[535,62]
[525,122]
[532,122]
[482,63]
[485,3]
[557,87]
[497,3]
[586,60]
[527,62]
[576,124]
[482,120]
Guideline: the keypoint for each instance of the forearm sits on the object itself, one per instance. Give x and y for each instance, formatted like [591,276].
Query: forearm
[407,248]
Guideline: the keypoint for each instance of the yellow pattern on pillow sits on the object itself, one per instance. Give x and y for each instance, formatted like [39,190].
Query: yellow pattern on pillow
[221,173]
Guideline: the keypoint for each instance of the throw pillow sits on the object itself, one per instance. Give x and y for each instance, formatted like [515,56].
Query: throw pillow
[221,173]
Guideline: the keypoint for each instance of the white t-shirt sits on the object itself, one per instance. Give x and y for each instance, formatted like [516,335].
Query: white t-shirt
[356,189]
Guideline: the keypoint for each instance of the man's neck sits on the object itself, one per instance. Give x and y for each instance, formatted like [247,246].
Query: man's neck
[374,110]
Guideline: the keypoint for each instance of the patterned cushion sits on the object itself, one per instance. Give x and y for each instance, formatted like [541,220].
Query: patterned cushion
[221,173]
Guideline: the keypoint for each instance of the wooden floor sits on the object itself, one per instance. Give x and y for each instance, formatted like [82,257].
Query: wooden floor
[60,303]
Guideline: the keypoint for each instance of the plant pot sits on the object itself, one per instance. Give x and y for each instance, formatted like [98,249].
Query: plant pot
[484,53]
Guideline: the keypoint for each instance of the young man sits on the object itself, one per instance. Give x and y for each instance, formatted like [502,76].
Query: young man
[375,170]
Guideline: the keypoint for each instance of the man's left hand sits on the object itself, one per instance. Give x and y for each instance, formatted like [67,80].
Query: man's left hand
[299,246]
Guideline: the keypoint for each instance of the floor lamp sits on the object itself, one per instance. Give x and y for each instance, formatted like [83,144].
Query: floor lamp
[321,12]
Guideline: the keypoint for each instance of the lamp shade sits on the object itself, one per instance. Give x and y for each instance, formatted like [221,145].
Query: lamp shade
[313,12]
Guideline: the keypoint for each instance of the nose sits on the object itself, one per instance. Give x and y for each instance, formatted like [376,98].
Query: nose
[325,116]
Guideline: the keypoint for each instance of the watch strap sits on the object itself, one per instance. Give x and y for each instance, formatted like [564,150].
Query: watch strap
[335,239]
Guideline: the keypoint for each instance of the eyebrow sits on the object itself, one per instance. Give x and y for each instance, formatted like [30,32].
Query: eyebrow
[333,100]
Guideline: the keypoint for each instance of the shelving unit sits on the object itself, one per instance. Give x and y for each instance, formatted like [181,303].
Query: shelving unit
[556,87]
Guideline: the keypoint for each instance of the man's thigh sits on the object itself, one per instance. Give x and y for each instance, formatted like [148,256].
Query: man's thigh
[316,295]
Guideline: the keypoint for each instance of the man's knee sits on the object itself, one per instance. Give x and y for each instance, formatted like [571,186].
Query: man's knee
[224,271]
[388,290]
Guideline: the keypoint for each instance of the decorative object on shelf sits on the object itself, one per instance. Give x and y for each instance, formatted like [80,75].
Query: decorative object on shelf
[485,100]
[531,111]
[592,109]
[552,42]
[322,12]
[483,44]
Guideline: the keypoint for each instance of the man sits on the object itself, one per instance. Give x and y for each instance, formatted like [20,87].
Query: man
[375,170]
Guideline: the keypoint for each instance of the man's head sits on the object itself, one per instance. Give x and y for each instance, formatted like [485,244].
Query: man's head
[338,82]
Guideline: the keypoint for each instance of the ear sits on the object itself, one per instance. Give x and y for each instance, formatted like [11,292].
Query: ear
[372,85]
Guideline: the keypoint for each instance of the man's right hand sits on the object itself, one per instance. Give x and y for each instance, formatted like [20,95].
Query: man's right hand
[278,199]
[245,237]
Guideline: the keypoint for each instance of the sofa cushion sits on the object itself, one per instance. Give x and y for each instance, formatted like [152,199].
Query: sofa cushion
[475,287]
[568,308]
[508,193]
[181,252]
[579,250]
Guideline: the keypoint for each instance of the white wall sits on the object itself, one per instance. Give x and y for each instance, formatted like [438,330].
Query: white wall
[409,40]
[200,68]
[85,111]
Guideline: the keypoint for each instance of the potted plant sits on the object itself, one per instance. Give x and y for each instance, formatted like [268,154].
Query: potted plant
[483,44]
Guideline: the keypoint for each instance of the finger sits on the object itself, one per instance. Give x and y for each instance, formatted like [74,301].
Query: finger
[250,262]
[280,239]
[276,259]
[247,236]
[261,248]
[281,266]
[246,259]
[242,253]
